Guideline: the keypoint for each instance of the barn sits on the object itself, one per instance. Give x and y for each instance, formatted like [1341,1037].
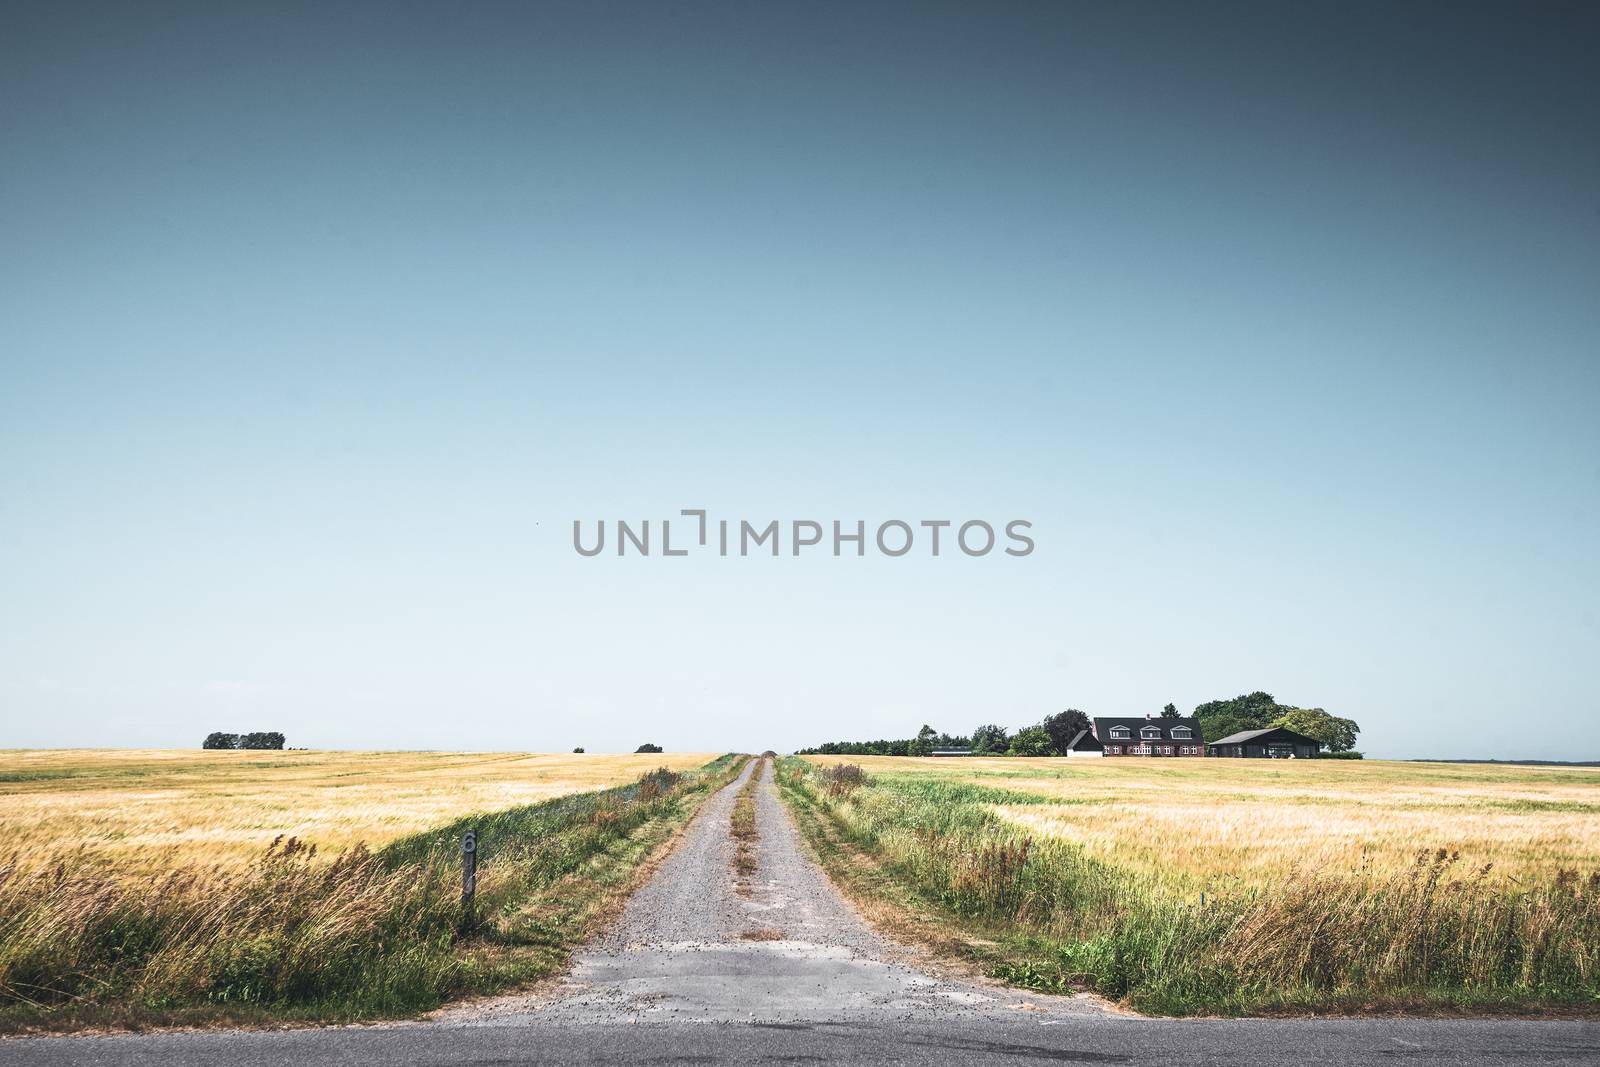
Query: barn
[1084,744]
[1276,743]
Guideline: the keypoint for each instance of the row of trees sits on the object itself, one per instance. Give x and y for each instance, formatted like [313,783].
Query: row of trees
[1047,738]
[1218,719]
[923,744]
[262,739]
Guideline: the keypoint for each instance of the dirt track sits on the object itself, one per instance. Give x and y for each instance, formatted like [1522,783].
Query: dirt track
[681,950]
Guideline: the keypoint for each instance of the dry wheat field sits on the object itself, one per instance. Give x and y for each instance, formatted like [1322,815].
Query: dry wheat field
[150,809]
[1209,818]
[1214,885]
[223,886]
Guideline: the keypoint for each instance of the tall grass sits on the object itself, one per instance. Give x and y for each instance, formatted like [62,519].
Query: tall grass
[368,933]
[1436,932]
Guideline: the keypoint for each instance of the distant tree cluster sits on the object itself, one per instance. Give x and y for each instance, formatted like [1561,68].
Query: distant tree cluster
[648,747]
[923,744]
[262,739]
[1218,718]
[1259,711]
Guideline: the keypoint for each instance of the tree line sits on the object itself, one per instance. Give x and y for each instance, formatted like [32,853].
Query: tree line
[261,739]
[1052,735]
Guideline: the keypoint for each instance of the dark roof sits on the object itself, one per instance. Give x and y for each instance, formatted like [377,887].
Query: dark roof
[1084,741]
[1277,733]
[1103,726]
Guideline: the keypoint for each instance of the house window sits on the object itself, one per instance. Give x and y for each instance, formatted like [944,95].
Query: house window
[1119,731]
[1182,731]
[1150,731]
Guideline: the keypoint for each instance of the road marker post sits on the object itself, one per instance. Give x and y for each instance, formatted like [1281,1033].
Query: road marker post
[469,878]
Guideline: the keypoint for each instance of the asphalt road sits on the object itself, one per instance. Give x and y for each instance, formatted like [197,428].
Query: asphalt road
[1111,1040]
[679,981]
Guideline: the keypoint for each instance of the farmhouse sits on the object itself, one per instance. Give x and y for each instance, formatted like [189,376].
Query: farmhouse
[1149,736]
[1276,743]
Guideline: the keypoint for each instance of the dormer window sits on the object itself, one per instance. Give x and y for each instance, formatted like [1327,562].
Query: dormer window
[1120,732]
[1182,731]
[1150,731]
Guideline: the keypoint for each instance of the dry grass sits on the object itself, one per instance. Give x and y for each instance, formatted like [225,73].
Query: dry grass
[150,810]
[1209,885]
[1202,820]
[113,932]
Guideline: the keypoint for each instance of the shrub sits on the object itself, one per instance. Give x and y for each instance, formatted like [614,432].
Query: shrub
[842,779]
[1032,741]
[656,783]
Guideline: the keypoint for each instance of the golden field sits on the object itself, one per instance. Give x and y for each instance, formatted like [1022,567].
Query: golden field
[1201,820]
[1204,886]
[182,887]
[155,809]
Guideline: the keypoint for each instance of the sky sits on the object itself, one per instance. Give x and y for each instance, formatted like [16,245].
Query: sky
[320,325]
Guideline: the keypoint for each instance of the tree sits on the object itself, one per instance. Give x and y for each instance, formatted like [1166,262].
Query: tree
[578,750]
[220,740]
[1170,712]
[1032,741]
[989,738]
[1251,711]
[1336,734]
[648,747]
[1063,726]
[262,739]
[922,744]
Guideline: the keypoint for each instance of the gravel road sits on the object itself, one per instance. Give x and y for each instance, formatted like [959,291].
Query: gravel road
[682,950]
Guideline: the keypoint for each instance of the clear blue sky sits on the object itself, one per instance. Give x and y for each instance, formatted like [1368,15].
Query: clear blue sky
[319,326]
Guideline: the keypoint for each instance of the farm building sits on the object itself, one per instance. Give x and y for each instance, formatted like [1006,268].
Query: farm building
[1084,744]
[1276,743]
[1149,736]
